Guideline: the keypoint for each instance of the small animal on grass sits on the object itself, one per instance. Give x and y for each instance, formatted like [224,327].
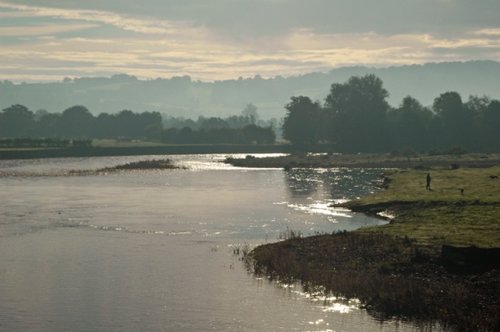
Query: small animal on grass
[494,177]
[461,191]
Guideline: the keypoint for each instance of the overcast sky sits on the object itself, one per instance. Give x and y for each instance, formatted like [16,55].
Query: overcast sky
[47,40]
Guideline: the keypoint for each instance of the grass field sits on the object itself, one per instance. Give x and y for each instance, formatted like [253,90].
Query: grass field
[442,215]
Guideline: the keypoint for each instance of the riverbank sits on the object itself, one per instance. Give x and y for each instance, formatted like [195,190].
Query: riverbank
[393,277]
[369,161]
[438,260]
[462,208]
[135,150]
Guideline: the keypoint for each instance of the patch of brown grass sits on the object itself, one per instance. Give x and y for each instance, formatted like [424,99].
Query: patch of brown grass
[391,276]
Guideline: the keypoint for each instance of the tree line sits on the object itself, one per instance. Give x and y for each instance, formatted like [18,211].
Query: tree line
[356,117]
[19,126]
[43,142]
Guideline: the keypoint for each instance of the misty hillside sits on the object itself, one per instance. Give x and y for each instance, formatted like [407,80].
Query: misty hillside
[181,96]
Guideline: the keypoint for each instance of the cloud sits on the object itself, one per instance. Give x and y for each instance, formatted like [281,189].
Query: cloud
[159,47]
[148,26]
[301,52]
[488,33]
[42,30]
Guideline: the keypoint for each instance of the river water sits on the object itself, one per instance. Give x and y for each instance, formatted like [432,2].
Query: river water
[153,250]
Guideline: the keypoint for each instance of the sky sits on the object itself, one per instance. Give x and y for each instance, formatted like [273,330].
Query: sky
[47,40]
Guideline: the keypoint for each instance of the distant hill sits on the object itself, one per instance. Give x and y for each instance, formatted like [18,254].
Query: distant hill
[181,96]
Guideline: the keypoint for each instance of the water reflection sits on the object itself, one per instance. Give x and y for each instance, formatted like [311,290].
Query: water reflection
[333,184]
[302,182]
[143,250]
[317,191]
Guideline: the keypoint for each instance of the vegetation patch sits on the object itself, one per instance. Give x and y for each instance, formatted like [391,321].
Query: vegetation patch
[461,208]
[368,160]
[438,260]
[142,165]
[391,276]
[155,164]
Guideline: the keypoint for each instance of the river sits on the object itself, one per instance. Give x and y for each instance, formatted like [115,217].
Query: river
[153,250]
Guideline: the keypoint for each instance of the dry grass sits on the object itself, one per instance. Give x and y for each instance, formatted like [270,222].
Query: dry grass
[143,164]
[391,276]
[396,270]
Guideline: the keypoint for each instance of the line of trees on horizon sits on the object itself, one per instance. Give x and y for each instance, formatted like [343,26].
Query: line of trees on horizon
[17,123]
[356,117]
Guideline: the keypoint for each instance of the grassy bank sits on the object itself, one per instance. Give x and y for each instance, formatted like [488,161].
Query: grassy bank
[462,207]
[402,269]
[369,161]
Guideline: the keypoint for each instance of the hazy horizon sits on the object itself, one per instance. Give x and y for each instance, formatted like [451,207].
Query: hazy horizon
[252,77]
[188,98]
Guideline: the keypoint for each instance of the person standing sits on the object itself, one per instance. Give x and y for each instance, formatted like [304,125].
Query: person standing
[428,182]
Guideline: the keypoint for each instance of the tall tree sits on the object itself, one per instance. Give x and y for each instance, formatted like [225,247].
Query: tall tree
[16,121]
[302,121]
[476,107]
[410,124]
[357,112]
[48,125]
[489,125]
[126,122]
[76,122]
[457,120]
[250,112]
[212,123]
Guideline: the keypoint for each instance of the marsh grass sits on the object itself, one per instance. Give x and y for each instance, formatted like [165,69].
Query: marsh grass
[242,250]
[289,234]
[391,276]
[143,165]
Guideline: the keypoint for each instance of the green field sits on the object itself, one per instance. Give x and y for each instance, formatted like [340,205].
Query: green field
[442,215]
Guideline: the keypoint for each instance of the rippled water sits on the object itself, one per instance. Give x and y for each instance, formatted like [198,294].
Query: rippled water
[152,250]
